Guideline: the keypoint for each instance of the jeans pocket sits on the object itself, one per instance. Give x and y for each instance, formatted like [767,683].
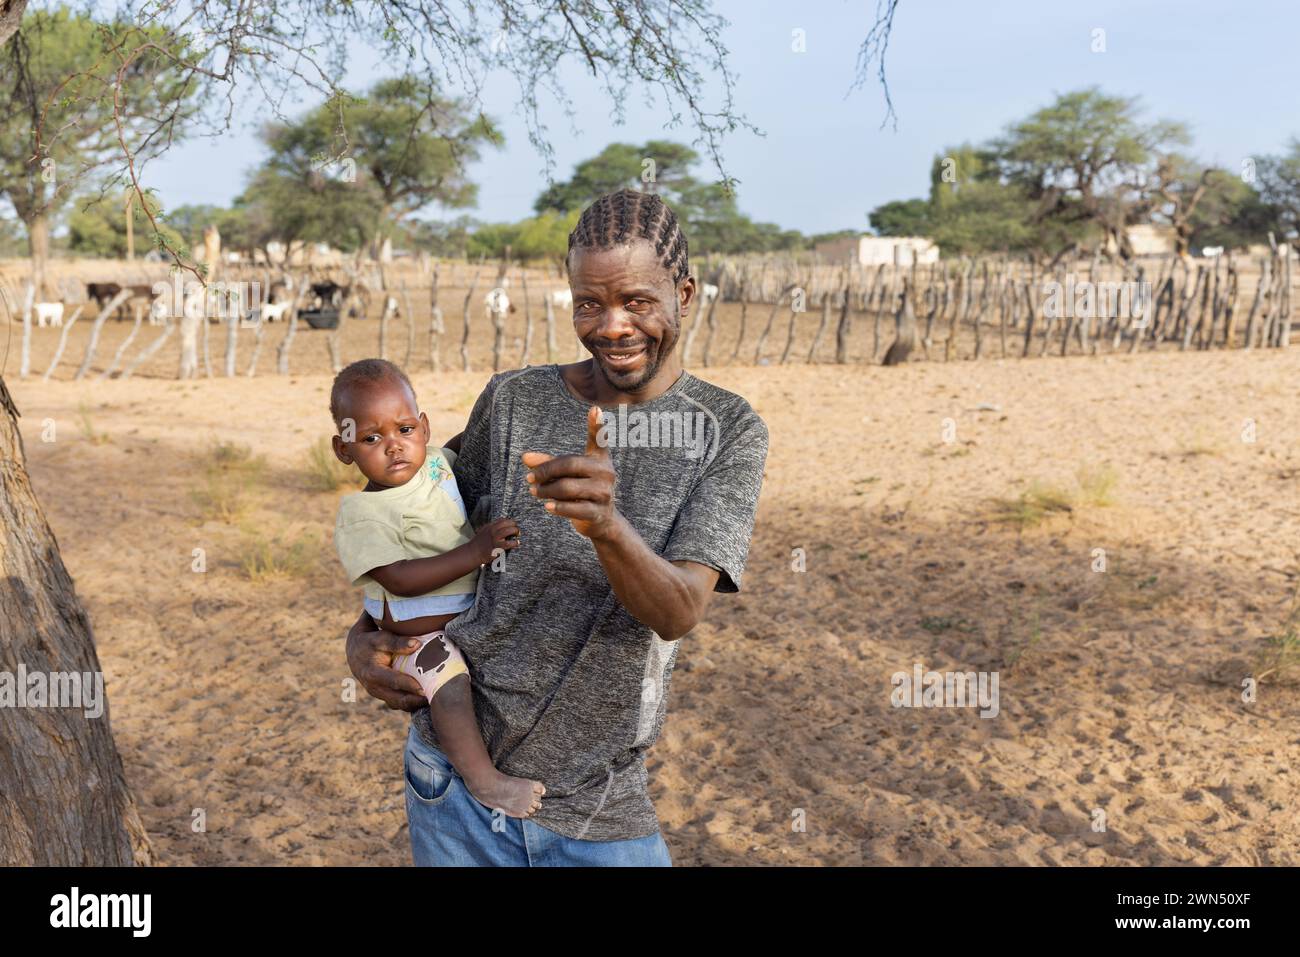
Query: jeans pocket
[429,777]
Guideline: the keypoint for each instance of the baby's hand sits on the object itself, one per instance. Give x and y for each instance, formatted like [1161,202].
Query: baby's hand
[502,533]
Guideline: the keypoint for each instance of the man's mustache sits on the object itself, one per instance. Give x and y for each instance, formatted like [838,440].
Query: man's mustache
[619,344]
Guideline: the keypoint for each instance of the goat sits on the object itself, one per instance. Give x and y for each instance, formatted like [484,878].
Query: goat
[708,293]
[498,304]
[53,311]
[102,293]
[562,300]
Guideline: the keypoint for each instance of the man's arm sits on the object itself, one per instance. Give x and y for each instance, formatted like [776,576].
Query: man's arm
[669,597]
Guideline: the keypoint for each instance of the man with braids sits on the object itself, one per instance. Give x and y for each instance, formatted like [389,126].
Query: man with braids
[634,485]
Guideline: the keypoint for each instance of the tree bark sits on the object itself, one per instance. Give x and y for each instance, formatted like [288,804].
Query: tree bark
[65,800]
[11,15]
[38,244]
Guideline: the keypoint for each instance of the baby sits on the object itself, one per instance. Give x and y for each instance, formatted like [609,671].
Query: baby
[406,538]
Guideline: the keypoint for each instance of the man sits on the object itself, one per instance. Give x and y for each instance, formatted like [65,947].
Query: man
[628,521]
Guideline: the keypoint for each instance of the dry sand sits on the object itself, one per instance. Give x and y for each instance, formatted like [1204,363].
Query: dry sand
[1119,691]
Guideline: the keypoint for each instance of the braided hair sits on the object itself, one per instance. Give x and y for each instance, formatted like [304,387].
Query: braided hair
[629,214]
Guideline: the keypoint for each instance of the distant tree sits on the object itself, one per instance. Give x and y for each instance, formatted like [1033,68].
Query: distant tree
[973,209]
[708,211]
[58,124]
[288,201]
[404,143]
[448,238]
[1234,216]
[1191,197]
[624,165]
[1084,159]
[816,238]
[97,228]
[1279,186]
[901,217]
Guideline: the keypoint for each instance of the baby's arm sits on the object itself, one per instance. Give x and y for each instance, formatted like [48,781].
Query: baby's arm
[418,576]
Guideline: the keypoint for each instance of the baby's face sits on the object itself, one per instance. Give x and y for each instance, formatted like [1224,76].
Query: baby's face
[388,434]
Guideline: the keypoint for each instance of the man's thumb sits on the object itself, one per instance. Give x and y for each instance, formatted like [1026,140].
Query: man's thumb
[595,422]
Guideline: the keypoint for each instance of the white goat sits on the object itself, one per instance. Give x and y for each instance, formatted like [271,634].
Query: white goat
[52,311]
[270,311]
[497,304]
[708,293]
[562,300]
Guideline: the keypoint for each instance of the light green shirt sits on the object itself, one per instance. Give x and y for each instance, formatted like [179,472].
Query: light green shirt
[423,518]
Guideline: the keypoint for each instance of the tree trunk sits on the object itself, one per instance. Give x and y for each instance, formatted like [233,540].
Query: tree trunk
[38,243]
[65,800]
[11,15]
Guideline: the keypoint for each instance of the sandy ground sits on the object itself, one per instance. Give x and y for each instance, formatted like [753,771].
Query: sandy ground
[1120,691]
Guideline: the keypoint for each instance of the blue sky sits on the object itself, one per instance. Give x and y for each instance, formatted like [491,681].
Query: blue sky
[958,71]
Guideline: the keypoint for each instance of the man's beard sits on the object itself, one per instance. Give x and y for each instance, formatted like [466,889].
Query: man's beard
[655,352]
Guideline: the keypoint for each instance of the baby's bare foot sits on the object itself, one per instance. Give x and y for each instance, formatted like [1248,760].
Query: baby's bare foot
[518,797]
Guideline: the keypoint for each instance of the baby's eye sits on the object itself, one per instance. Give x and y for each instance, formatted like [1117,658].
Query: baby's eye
[407,428]
[370,439]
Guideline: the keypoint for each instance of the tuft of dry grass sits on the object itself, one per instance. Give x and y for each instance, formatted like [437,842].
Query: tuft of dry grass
[230,473]
[1200,444]
[325,473]
[88,427]
[1094,488]
[265,557]
[1281,653]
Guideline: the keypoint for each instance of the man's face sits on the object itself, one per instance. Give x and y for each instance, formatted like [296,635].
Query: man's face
[390,436]
[627,310]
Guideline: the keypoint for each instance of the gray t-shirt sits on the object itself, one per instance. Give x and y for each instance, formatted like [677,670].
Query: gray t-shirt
[569,688]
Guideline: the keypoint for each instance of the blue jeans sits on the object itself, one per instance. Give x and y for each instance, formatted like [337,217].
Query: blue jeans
[451,829]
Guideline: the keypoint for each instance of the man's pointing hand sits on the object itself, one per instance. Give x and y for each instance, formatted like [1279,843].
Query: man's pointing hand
[578,487]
